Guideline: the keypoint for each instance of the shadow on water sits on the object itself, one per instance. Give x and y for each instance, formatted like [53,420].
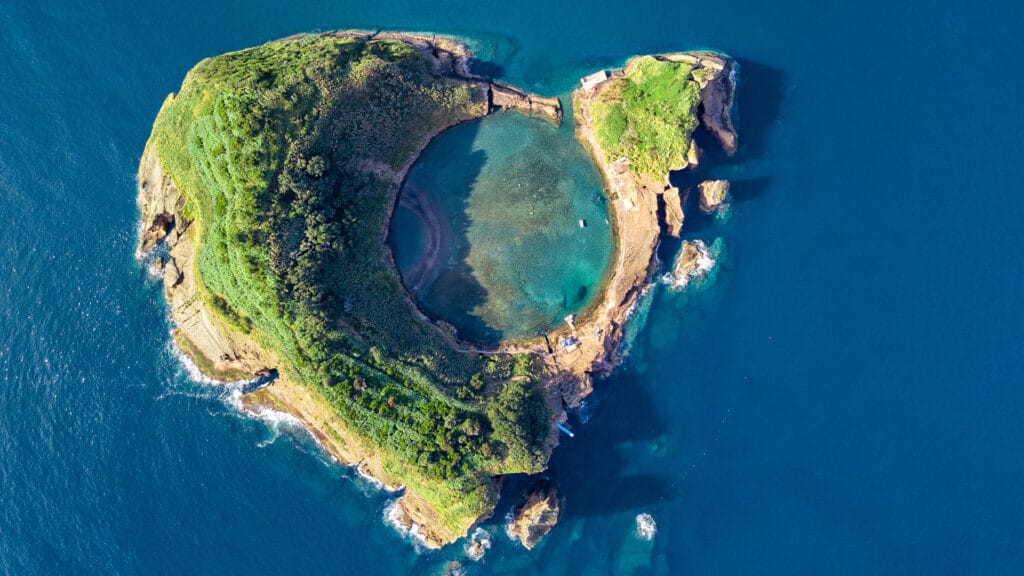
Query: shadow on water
[595,464]
[488,70]
[454,292]
[759,99]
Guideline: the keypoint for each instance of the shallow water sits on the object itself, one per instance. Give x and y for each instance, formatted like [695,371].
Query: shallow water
[505,196]
[845,398]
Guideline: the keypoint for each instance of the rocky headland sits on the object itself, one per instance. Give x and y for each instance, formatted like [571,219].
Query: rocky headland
[634,202]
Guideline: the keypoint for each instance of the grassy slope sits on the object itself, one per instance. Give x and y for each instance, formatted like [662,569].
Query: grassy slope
[272,148]
[648,116]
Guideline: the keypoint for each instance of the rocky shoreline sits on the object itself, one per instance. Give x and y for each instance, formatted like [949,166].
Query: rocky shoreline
[222,353]
[634,210]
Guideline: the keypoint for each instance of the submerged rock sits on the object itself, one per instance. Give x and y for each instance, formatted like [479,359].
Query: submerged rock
[714,195]
[536,517]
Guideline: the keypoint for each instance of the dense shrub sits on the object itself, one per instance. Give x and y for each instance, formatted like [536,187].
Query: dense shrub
[648,116]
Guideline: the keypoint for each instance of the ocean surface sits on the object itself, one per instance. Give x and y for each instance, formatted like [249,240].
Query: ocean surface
[845,398]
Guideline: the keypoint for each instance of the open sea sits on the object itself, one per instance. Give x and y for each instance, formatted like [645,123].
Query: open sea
[845,398]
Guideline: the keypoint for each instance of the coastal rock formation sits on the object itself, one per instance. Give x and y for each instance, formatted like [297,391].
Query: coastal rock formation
[510,98]
[633,202]
[693,263]
[646,528]
[717,99]
[226,343]
[158,201]
[713,195]
[217,351]
[674,203]
[536,517]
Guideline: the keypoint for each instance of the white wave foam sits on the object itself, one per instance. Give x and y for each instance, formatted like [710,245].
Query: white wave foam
[478,545]
[705,264]
[509,518]
[646,527]
[375,482]
[396,518]
[195,374]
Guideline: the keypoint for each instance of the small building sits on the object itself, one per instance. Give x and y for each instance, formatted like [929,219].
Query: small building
[590,82]
[570,344]
[621,165]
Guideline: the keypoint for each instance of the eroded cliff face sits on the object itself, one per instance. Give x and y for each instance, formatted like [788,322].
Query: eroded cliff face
[717,93]
[219,352]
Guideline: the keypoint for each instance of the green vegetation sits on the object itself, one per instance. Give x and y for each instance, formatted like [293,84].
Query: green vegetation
[285,154]
[648,116]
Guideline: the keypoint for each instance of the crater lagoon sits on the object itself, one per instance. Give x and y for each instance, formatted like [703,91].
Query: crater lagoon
[501,228]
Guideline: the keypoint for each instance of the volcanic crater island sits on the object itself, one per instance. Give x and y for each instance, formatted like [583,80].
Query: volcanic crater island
[267,190]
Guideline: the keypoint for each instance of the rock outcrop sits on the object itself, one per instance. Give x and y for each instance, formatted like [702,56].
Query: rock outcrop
[646,527]
[713,195]
[674,215]
[537,516]
[717,98]
[158,200]
[693,263]
[510,98]
[218,351]
[634,202]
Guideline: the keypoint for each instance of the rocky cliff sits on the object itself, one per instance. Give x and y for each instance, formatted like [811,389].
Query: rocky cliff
[218,351]
[537,516]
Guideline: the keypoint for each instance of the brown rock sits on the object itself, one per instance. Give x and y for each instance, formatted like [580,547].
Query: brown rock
[158,199]
[509,98]
[537,516]
[674,216]
[172,275]
[713,195]
[692,263]
[717,89]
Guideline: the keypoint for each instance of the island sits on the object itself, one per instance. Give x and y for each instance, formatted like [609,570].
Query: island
[266,189]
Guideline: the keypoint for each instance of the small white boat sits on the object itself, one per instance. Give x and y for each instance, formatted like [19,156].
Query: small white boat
[583,223]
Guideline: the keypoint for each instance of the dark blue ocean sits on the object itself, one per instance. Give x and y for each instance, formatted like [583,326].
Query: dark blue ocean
[846,398]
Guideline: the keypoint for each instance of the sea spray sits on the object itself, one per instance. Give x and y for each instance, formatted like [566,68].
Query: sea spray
[395,517]
[478,545]
[646,527]
[696,266]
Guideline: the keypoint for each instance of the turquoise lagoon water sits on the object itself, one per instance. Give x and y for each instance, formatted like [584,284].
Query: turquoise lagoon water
[505,196]
[845,399]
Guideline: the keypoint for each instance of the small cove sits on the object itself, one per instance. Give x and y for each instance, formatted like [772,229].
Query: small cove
[502,227]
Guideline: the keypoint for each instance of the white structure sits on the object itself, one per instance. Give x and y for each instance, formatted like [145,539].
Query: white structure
[591,82]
